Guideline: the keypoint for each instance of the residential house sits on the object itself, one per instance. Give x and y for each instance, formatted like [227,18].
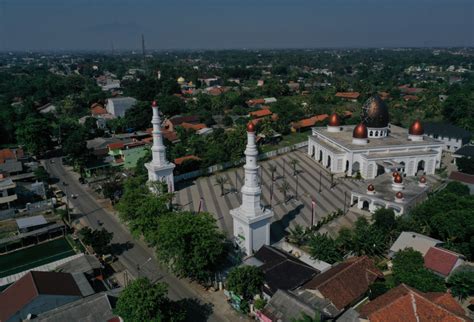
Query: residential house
[404,303]
[348,96]
[257,102]
[344,284]
[281,270]
[452,136]
[418,242]
[11,154]
[467,151]
[260,114]
[308,123]
[407,90]
[47,108]
[194,127]
[211,81]
[171,123]
[27,224]
[11,166]
[442,261]
[127,153]
[38,292]
[216,90]
[7,192]
[119,105]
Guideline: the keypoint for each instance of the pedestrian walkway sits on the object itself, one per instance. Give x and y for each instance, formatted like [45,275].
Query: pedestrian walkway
[310,182]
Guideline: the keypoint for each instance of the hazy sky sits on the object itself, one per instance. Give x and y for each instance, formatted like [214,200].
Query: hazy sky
[167,24]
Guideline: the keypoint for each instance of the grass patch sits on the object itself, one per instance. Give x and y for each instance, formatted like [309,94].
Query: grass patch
[288,140]
[35,256]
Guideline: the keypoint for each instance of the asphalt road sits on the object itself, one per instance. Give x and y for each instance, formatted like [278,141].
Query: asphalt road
[137,258]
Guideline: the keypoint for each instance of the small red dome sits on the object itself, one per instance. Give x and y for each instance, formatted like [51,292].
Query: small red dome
[395,173]
[250,127]
[371,187]
[360,131]
[154,104]
[423,179]
[416,128]
[398,179]
[334,120]
[399,195]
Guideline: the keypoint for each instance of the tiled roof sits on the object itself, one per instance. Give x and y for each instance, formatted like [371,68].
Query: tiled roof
[116,145]
[466,151]
[347,281]
[260,113]
[255,101]
[410,98]
[446,130]
[348,95]
[98,110]
[403,303]
[177,120]
[170,135]
[310,121]
[195,127]
[462,177]
[31,286]
[440,260]
[7,154]
[179,161]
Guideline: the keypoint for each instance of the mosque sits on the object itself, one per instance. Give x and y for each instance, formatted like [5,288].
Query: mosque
[394,160]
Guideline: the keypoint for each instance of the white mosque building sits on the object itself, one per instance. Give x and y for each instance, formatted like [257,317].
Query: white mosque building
[374,146]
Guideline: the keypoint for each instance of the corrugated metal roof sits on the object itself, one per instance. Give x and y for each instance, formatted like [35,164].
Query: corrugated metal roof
[30,221]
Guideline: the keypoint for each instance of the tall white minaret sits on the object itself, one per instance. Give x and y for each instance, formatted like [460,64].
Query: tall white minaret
[251,220]
[159,169]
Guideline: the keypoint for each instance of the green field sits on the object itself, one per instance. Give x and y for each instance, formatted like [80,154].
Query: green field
[288,140]
[34,256]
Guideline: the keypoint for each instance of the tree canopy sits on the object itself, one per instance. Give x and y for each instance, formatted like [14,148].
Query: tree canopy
[246,281]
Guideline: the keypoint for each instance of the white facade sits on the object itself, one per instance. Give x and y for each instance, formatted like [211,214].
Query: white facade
[388,151]
[159,169]
[449,144]
[251,222]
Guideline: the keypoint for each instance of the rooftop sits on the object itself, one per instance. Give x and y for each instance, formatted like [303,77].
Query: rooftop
[446,130]
[418,242]
[440,260]
[466,151]
[28,222]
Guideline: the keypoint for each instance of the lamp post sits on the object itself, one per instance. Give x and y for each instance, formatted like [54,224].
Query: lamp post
[319,181]
[67,202]
[345,202]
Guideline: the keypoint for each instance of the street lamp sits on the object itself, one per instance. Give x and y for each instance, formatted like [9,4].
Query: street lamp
[67,202]
[319,181]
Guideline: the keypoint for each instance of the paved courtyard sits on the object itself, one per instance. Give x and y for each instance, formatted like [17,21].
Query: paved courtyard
[296,211]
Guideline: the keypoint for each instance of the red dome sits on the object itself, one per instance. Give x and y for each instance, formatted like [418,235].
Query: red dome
[371,187]
[399,195]
[154,104]
[398,179]
[250,127]
[334,120]
[395,173]
[423,179]
[360,131]
[416,128]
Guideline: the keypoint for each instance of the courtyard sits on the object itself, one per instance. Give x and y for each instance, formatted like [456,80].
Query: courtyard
[312,182]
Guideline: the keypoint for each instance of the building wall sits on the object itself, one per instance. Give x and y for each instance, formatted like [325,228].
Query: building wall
[450,144]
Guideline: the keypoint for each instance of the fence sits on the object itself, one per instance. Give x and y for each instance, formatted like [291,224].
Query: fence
[39,206]
[231,164]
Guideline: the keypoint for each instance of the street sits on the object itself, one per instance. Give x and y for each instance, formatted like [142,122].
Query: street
[137,258]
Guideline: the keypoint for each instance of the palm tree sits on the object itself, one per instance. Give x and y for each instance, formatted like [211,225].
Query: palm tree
[272,168]
[294,163]
[221,181]
[284,188]
[297,235]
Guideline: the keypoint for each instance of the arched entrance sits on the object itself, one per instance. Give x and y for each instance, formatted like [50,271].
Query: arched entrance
[421,166]
[365,205]
[329,162]
[347,166]
[320,155]
[380,170]
[355,167]
[402,167]
[313,152]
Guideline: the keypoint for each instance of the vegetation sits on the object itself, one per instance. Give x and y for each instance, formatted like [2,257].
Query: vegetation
[465,165]
[99,240]
[461,282]
[143,301]
[246,281]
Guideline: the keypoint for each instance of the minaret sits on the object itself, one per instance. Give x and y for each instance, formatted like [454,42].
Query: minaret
[159,169]
[251,220]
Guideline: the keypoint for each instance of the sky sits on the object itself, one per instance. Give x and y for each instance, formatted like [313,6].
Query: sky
[224,24]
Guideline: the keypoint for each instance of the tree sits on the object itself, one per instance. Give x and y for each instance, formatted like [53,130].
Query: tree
[294,163]
[245,281]
[221,181]
[284,188]
[367,240]
[190,244]
[461,282]
[384,219]
[324,248]
[465,165]
[306,318]
[75,146]
[41,174]
[272,168]
[35,134]
[408,268]
[99,240]
[297,235]
[143,301]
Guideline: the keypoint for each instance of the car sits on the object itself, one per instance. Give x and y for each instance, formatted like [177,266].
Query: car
[73,196]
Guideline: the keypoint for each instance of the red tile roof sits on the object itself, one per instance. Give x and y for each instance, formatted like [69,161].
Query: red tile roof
[463,177]
[403,303]
[440,260]
[260,113]
[348,95]
[410,98]
[177,120]
[170,135]
[8,154]
[98,110]
[195,127]
[310,121]
[346,282]
[179,161]
[30,286]
[116,145]
[255,101]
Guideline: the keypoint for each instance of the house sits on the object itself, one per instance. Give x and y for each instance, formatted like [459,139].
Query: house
[442,261]
[452,136]
[308,123]
[216,90]
[98,110]
[410,98]
[97,307]
[11,167]
[7,192]
[37,292]
[407,90]
[345,283]
[349,96]
[281,270]
[467,179]
[47,108]
[27,224]
[127,153]
[418,242]
[260,114]
[171,123]
[269,100]
[119,105]
[11,154]
[258,102]
[404,303]
[466,151]
[194,127]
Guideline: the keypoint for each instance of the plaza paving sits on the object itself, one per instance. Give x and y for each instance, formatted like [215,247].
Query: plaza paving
[296,211]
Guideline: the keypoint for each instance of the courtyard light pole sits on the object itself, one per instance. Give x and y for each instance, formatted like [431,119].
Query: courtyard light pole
[345,201]
[320,181]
